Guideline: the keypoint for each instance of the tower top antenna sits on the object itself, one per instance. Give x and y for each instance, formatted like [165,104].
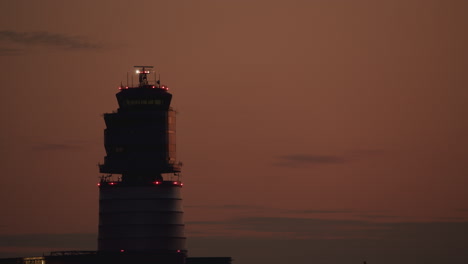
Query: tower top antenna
[142,74]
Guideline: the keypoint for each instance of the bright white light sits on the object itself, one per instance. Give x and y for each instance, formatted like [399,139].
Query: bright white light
[137,71]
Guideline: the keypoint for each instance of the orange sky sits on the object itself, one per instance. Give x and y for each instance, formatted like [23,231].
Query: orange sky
[317,111]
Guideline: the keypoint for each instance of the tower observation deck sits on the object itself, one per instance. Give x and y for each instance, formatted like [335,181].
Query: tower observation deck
[141,211]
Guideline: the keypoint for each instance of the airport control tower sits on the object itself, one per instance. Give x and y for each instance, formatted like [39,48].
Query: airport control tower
[140,204]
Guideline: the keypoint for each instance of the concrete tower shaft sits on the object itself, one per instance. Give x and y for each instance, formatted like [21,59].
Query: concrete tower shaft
[141,218]
[142,210]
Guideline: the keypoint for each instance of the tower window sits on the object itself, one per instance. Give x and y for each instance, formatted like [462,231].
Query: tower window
[143,101]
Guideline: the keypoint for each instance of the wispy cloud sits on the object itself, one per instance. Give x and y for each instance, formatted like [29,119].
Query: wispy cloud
[295,160]
[54,146]
[429,243]
[205,222]
[301,240]
[307,227]
[36,244]
[10,51]
[304,159]
[315,228]
[312,211]
[252,209]
[232,207]
[44,38]
[47,240]
[377,216]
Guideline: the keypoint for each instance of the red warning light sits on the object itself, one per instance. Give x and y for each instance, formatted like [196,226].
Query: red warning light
[122,250]
[99,184]
[178,251]
[175,183]
[111,183]
[157,182]
[181,184]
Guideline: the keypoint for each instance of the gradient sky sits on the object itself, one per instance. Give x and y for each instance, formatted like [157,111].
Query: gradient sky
[320,131]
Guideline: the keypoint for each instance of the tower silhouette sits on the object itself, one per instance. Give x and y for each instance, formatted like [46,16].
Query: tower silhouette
[141,212]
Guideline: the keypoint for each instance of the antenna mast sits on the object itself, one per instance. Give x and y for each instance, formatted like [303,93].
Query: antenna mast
[143,74]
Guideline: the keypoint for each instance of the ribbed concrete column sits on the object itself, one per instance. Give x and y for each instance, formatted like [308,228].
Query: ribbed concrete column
[141,218]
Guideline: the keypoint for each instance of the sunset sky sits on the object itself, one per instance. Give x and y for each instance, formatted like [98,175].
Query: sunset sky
[313,131]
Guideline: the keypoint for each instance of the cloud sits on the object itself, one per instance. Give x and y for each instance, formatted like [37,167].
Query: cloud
[312,211]
[54,146]
[70,144]
[252,209]
[328,229]
[231,207]
[10,51]
[257,210]
[307,228]
[428,243]
[333,241]
[308,159]
[46,39]
[286,227]
[47,240]
[296,160]
[204,222]
[311,228]
[36,244]
[377,216]
[366,153]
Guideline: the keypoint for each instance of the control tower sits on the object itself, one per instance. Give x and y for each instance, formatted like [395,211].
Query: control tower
[140,203]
